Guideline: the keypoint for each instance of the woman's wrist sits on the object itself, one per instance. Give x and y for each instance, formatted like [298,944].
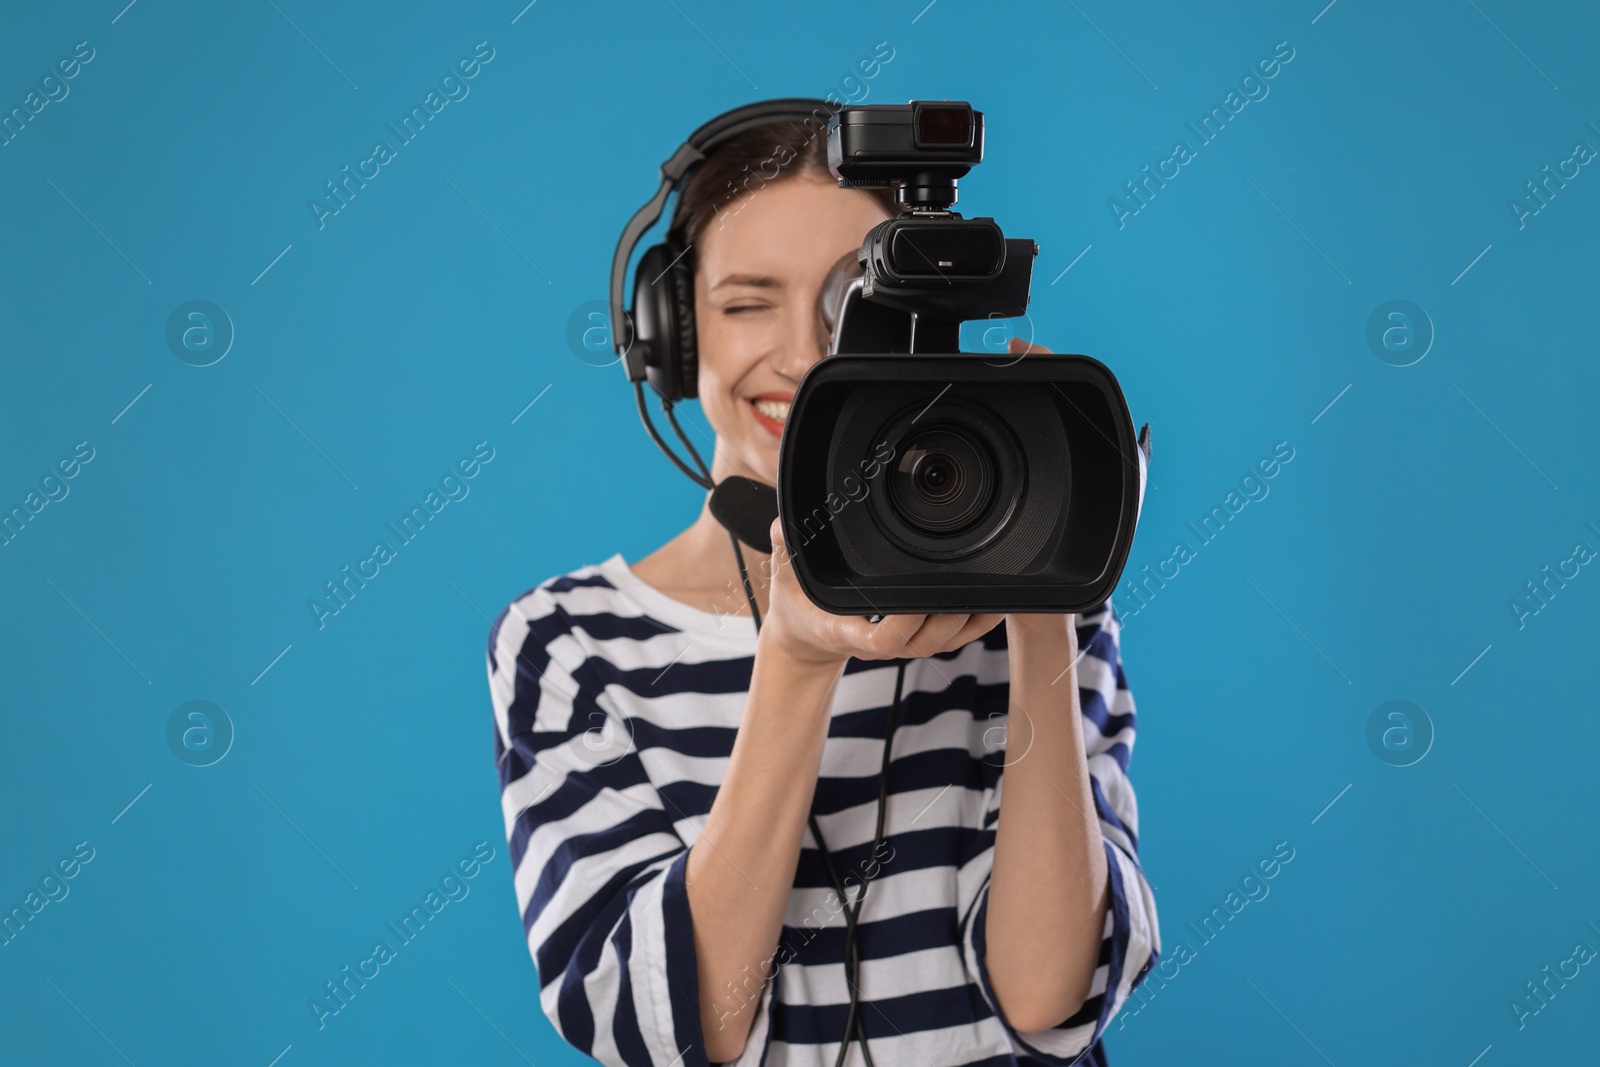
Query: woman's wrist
[795,662]
[1041,632]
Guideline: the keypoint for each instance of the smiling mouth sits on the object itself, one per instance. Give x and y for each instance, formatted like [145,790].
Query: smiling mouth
[770,413]
[776,410]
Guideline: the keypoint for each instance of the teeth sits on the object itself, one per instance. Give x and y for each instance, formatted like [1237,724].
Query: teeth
[776,410]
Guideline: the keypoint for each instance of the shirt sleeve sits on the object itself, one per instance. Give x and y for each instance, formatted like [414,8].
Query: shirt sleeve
[1131,940]
[598,864]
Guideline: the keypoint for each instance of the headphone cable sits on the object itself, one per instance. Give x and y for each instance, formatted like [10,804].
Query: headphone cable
[854,1024]
[855,1020]
[744,577]
[702,480]
[672,417]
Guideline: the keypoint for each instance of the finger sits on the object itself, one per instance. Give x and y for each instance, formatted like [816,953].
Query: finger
[1018,345]
[974,627]
[897,631]
[780,550]
[936,634]
[886,638]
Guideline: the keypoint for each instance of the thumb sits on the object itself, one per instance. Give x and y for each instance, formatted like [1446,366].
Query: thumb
[782,556]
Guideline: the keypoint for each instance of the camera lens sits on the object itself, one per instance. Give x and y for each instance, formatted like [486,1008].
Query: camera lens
[937,477]
[943,481]
[946,479]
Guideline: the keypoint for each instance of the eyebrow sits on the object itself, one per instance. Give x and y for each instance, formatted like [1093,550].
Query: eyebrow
[759,281]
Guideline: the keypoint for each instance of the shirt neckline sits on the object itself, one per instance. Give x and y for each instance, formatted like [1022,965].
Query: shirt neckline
[737,628]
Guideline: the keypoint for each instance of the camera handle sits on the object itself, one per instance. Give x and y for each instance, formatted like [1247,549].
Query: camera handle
[875,316]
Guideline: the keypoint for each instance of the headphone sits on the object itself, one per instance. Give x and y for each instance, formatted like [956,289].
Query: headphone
[655,335]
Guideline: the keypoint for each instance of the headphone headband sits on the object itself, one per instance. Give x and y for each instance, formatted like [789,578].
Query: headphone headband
[701,143]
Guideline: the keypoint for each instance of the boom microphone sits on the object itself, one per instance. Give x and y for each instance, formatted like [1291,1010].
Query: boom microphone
[746,508]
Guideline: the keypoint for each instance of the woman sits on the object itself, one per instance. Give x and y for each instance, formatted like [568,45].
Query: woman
[667,764]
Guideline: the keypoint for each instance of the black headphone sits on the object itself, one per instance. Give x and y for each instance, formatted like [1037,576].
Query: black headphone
[655,336]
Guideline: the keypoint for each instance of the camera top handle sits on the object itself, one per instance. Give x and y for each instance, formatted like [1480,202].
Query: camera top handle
[929,270]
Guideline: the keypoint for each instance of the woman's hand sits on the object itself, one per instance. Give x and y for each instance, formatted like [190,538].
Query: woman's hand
[807,635]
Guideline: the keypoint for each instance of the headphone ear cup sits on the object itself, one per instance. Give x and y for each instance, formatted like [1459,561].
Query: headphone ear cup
[681,293]
[652,321]
[663,319]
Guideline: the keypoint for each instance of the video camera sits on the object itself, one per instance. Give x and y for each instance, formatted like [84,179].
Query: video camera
[916,478]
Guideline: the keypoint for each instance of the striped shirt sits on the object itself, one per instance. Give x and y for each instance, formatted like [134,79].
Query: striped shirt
[616,708]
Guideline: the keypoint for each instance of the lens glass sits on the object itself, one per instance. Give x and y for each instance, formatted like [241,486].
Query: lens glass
[943,481]
[937,478]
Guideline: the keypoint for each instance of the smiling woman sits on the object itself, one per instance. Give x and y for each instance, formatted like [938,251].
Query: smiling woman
[688,793]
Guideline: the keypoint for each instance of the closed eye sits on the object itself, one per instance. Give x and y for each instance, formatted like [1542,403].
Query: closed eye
[743,308]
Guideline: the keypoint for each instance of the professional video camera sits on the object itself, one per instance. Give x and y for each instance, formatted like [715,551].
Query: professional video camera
[916,478]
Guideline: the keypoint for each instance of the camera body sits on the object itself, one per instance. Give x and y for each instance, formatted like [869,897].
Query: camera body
[915,478]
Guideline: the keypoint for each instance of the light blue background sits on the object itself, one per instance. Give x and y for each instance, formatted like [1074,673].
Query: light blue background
[411,327]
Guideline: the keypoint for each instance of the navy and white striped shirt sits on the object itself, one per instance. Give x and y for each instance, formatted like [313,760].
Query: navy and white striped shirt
[616,708]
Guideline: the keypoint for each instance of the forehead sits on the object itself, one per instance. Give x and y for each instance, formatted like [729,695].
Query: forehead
[788,228]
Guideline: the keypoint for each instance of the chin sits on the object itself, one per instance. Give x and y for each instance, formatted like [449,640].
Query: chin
[760,462]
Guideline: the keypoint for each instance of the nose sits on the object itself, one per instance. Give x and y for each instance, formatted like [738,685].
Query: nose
[805,341]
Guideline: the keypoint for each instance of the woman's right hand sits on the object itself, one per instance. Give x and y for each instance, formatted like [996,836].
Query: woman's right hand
[810,636]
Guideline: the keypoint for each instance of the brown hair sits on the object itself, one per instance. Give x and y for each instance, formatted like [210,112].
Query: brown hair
[751,161]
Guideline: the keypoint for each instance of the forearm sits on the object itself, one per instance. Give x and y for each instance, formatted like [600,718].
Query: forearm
[1048,889]
[742,868]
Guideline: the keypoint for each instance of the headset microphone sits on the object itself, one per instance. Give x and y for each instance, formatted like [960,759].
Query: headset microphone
[746,507]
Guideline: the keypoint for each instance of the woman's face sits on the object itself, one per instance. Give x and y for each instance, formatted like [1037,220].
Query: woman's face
[760,272]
